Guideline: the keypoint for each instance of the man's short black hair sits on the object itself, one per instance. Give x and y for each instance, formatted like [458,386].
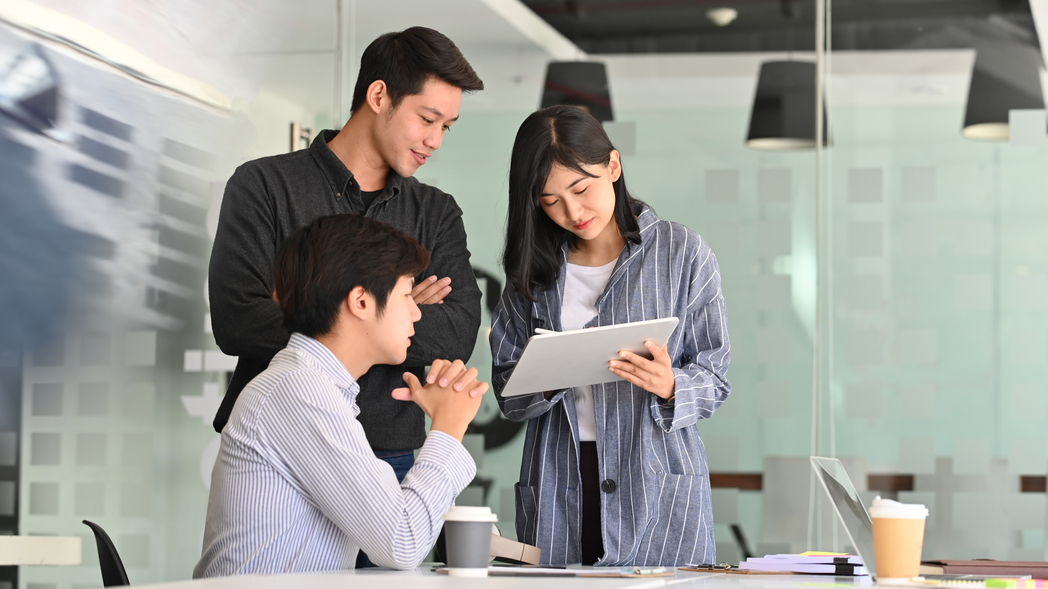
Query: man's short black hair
[406,60]
[320,263]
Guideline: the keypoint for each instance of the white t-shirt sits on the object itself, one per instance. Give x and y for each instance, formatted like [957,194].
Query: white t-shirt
[582,286]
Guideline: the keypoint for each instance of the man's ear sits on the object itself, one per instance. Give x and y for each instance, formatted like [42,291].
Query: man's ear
[377,96]
[359,303]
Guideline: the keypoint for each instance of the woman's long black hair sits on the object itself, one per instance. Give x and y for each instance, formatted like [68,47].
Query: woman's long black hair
[571,137]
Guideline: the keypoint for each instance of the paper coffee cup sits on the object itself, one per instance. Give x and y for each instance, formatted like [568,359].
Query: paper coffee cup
[898,536]
[467,540]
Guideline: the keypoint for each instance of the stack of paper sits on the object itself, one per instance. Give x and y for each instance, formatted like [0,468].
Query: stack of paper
[572,571]
[827,563]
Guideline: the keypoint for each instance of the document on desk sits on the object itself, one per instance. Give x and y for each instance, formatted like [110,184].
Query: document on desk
[574,571]
[624,572]
[555,360]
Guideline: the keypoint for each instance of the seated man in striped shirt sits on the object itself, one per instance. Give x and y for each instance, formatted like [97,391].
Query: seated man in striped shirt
[296,486]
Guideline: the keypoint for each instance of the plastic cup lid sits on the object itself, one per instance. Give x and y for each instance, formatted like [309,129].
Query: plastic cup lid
[893,509]
[470,514]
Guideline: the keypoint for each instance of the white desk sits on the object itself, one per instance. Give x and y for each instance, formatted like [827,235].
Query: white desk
[25,550]
[422,578]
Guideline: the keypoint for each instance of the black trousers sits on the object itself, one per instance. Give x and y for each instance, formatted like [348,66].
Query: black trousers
[592,542]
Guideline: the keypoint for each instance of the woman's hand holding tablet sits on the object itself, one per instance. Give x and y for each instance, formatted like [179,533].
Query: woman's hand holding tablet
[654,375]
[553,361]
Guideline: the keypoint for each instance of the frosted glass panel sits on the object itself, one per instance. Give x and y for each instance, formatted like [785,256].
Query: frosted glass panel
[47,399]
[937,297]
[45,449]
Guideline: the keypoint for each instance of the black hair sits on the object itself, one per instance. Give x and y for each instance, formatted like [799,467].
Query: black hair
[406,60]
[319,264]
[571,137]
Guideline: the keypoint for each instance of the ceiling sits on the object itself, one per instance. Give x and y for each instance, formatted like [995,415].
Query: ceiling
[682,26]
[292,48]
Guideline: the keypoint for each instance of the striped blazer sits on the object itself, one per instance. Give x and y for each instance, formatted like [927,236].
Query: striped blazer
[297,488]
[655,498]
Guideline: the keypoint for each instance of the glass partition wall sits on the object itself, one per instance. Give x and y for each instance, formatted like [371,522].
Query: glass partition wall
[932,373]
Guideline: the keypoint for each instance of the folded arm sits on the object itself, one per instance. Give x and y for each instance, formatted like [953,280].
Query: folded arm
[245,319]
[448,330]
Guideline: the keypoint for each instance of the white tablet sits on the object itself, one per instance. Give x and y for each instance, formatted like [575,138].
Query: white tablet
[558,360]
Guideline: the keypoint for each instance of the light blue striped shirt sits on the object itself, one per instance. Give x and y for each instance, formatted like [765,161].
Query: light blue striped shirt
[655,501]
[297,488]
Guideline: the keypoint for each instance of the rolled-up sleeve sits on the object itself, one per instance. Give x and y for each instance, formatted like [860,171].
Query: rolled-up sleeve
[510,331]
[701,383]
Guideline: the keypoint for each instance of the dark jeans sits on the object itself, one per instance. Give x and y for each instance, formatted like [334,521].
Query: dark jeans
[401,461]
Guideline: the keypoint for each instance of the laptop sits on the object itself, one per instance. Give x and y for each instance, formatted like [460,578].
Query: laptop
[845,499]
[856,520]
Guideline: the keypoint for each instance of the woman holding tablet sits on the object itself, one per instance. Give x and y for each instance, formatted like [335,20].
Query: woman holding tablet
[612,474]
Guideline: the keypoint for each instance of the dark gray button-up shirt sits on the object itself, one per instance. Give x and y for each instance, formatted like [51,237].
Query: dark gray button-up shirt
[268,198]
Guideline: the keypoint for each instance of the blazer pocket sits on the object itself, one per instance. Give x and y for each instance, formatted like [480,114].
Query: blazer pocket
[679,522]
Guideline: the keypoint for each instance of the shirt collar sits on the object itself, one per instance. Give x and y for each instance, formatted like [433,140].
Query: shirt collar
[339,176]
[646,219]
[325,361]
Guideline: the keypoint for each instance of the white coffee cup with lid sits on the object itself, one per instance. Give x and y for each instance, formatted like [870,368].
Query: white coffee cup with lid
[898,537]
[467,540]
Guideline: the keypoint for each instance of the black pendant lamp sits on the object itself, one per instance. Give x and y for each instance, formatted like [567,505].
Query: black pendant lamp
[1005,77]
[783,115]
[579,83]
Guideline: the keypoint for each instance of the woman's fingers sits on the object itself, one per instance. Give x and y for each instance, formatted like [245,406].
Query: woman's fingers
[659,355]
[630,373]
[640,362]
[655,375]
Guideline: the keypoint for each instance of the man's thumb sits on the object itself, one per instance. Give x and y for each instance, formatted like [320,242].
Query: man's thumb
[412,381]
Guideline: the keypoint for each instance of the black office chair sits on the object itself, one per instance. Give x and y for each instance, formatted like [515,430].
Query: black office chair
[113,573]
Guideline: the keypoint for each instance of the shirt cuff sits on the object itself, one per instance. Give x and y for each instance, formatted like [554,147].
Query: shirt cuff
[449,454]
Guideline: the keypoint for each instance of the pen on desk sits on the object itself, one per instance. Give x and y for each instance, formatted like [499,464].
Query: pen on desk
[539,330]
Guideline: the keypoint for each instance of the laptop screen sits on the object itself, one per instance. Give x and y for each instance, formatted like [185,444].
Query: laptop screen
[848,506]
